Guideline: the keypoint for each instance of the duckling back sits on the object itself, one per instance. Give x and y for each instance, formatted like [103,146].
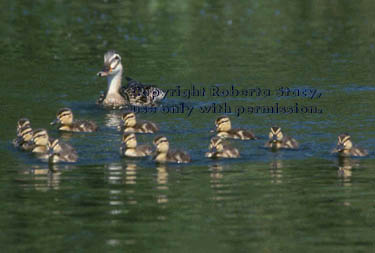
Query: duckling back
[84,126]
[219,149]
[163,154]
[224,130]
[132,125]
[62,152]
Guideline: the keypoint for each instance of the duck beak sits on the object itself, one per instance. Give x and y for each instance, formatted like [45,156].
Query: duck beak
[104,72]
[55,122]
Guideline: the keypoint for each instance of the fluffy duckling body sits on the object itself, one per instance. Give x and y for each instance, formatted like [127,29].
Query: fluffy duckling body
[66,122]
[132,125]
[62,152]
[135,93]
[41,142]
[345,147]
[163,154]
[24,139]
[218,149]
[129,147]
[224,130]
[277,140]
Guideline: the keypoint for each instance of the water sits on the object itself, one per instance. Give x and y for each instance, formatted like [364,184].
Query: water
[289,200]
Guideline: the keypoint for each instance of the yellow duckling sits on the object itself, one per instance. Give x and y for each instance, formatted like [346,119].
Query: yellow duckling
[278,140]
[224,130]
[129,147]
[41,144]
[345,147]
[220,150]
[24,140]
[65,120]
[62,152]
[131,125]
[163,154]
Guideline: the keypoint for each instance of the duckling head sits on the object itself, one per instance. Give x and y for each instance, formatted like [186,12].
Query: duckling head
[223,124]
[112,64]
[344,142]
[275,134]
[129,140]
[161,143]
[64,116]
[40,137]
[22,123]
[216,143]
[129,119]
[26,133]
[55,146]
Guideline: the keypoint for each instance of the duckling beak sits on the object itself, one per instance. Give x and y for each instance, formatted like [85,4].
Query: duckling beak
[55,122]
[340,147]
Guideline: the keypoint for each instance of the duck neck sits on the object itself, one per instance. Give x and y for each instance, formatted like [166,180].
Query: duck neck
[114,83]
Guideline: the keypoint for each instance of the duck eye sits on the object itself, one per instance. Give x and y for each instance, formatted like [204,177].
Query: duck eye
[117,58]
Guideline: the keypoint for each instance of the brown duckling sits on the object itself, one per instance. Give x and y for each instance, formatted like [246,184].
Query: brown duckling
[129,147]
[131,125]
[163,154]
[62,152]
[65,120]
[219,149]
[345,147]
[277,140]
[224,130]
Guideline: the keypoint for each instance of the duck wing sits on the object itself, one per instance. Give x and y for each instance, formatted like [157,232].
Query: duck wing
[141,94]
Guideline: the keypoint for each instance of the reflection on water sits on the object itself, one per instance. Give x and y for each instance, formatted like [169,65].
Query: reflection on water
[43,178]
[130,173]
[162,181]
[113,119]
[216,183]
[115,177]
[276,170]
[286,203]
[344,172]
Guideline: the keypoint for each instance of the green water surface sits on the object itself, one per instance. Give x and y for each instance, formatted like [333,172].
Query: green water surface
[290,201]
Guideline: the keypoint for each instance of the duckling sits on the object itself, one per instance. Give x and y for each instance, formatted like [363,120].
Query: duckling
[66,123]
[224,130]
[219,149]
[163,154]
[129,147]
[278,140]
[24,140]
[135,93]
[130,124]
[345,147]
[22,123]
[41,144]
[62,152]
